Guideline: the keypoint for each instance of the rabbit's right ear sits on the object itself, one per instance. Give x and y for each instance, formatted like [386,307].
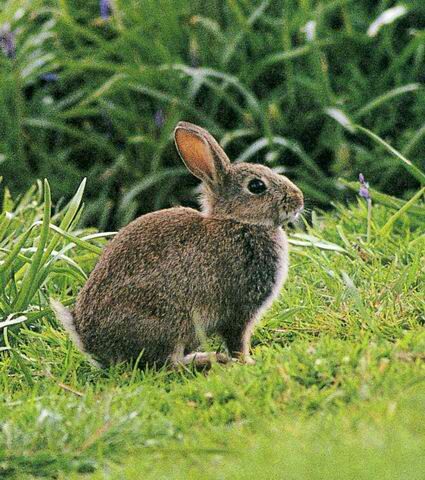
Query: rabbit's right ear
[201,153]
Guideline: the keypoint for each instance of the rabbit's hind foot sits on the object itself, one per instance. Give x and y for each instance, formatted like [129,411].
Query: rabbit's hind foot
[204,359]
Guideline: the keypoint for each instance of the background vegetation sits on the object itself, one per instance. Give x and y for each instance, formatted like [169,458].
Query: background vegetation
[318,90]
[95,89]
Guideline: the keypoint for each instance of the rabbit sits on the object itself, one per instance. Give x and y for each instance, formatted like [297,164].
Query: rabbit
[173,276]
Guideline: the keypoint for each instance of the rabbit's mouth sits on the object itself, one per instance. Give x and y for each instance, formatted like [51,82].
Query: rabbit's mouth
[291,217]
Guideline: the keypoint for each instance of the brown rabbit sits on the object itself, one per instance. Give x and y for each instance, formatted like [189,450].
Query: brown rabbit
[172,275]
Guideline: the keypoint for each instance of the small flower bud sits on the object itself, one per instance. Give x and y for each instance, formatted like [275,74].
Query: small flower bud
[364,188]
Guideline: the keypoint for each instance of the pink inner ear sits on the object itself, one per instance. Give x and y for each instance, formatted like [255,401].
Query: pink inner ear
[195,152]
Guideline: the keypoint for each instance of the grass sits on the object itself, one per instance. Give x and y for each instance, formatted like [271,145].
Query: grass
[84,96]
[338,390]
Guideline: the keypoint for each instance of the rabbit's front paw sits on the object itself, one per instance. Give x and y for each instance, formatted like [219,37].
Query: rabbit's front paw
[246,359]
[204,359]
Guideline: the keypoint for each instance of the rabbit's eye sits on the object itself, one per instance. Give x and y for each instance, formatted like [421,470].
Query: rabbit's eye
[257,186]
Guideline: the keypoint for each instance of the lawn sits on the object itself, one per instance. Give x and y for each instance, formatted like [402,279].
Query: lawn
[337,391]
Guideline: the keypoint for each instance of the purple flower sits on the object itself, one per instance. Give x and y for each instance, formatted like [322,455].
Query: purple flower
[159,118]
[7,41]
[105,9]
[364,188]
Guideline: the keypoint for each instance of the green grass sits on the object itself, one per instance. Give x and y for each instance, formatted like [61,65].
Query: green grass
[244,69]
[338,390]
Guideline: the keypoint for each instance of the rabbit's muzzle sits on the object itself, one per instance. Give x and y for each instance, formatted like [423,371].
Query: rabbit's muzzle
[292,203]
[297,201]
[293,200]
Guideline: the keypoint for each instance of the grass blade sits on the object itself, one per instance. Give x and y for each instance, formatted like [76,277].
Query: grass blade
[377,102]
[70,214]
[78,241]
[410,167]
[305,240]
[31,273]
[387,227]
[15,251]
[12,321]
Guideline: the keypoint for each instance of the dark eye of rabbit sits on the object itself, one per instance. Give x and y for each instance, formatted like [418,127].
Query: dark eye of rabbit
[257,186]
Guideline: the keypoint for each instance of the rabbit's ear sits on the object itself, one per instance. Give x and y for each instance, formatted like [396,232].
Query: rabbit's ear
[201,153]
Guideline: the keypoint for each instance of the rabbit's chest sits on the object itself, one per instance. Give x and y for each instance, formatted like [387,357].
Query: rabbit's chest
[275,264]
[263,270]
[280,272]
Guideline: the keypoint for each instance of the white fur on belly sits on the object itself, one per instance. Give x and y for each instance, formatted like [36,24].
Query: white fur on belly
[281,274]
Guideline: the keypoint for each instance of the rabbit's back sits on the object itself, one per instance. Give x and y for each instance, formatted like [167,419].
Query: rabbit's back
[169,273]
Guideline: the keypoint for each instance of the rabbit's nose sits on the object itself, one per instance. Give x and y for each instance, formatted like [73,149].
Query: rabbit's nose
[297,200]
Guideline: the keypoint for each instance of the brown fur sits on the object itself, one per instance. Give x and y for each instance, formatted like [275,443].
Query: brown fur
[171,274]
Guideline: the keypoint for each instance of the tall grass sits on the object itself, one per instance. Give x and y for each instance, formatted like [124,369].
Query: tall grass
[39,246]
[276,82]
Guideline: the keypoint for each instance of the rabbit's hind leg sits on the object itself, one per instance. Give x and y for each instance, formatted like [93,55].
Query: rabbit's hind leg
[238,340]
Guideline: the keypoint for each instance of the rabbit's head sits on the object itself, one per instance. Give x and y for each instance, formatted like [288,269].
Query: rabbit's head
[246,192]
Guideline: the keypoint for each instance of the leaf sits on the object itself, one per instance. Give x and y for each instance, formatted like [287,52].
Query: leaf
[70,214]
[226,77]
[15,251]
[93,139]
[104,88]
[387,227]
[280,57]
[410,167]
[387,17]
[210,25]
[230,49]
[378,101]
[149,181]
[341,118]
[306,240]
[78,241]
[13,321]
[30,274]
[291,145]
[355,294]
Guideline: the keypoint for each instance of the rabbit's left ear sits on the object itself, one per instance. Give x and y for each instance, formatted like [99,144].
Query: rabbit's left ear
[201,153]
